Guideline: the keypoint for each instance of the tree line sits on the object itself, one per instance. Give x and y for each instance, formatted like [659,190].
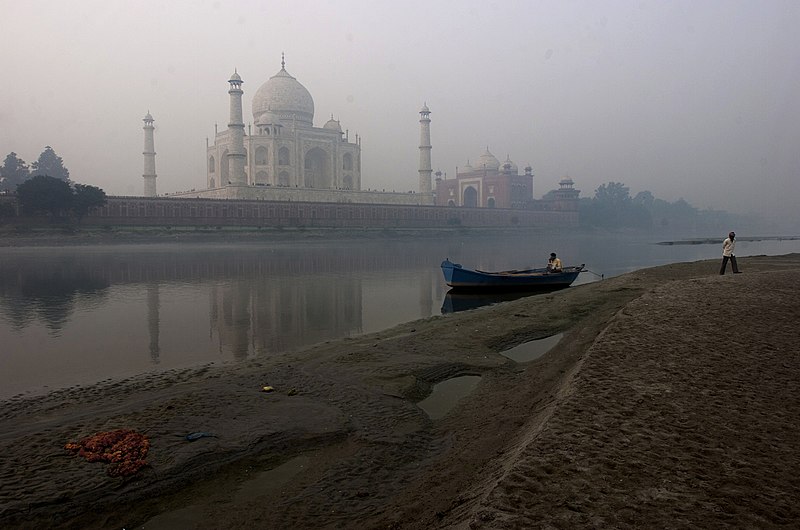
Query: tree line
[613,207]
[44,187]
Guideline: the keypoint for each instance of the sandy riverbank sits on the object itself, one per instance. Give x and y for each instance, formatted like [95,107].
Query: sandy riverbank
[672,400]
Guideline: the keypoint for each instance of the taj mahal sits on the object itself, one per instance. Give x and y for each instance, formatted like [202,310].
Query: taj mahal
[282,156]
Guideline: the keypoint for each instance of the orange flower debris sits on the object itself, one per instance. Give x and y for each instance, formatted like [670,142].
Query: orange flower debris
[124,449]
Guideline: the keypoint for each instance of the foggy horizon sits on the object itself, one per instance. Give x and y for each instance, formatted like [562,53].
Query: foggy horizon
[684,99]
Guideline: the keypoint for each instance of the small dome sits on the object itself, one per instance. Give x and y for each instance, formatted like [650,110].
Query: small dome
[424,109]
[235,77]
[148,117]
[512,166]
[488,161]
[285,96]
[333,125]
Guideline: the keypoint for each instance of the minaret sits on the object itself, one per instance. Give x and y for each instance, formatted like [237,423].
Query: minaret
[425,154]
[236,155]
[149,157]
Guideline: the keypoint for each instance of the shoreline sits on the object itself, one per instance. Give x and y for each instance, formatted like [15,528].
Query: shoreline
[341,441]
[67,236]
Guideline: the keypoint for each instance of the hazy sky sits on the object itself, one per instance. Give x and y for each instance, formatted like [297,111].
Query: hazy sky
[695,99]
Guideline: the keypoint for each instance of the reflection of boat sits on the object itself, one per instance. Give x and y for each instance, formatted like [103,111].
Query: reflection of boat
[460,300]
[458,277]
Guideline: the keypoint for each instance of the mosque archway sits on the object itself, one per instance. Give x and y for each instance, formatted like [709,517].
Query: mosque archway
[261,177]
[490,202]
[212,167]
[347,162]
[283,179]
[316,168]
[470,197]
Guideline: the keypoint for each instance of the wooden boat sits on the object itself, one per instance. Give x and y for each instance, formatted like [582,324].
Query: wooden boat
[458,277]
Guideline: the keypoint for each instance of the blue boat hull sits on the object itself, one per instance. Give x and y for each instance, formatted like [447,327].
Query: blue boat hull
[460,278]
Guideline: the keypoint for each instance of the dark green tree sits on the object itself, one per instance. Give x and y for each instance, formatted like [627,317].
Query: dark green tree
[13,172]
[645,199]
[613,194]
[86,197]
[45,194]
[613,207]
[50,164]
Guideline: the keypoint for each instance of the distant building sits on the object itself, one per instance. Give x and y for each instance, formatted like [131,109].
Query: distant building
[565,198]
[487,184]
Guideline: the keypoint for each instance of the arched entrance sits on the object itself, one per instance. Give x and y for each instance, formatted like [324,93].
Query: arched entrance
[470,197]
[317,174]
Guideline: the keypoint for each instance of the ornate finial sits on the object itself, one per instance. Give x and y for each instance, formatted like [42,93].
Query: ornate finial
[283,61]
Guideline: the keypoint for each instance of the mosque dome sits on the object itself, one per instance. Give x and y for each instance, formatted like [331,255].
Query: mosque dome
[285,96]
[333,125]
[487,161]
[512,166]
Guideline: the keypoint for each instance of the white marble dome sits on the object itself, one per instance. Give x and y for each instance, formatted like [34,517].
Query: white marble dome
[284,96]
[333,125]
[487,161]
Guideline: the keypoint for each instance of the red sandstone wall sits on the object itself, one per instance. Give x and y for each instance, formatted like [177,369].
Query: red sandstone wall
[163,211]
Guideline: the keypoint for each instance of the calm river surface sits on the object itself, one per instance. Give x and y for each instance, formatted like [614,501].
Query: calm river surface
[78,315]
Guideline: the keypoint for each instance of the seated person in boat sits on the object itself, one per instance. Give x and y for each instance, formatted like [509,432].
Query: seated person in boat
[553,264]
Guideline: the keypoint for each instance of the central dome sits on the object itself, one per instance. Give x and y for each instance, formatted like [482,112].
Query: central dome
[487,161]
[284,96]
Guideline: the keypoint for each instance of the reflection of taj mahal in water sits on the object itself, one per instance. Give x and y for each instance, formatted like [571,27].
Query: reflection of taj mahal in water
[277,316]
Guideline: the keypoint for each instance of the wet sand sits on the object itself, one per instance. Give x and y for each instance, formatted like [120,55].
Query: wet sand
[673,400]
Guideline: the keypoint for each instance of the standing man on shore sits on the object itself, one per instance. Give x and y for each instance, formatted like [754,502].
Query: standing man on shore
[728,247]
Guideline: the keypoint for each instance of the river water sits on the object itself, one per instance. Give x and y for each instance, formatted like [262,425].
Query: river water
[77,315]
